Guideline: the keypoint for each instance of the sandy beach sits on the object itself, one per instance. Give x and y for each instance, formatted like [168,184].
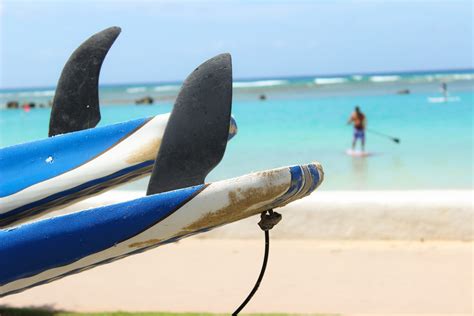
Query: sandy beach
[303,276]
[377,253]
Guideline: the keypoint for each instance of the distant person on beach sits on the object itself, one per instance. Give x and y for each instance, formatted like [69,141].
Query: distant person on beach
[358,120]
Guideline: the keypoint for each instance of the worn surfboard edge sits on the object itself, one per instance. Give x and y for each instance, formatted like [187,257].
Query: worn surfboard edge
[40,207]
[125,152]
[43,159]
[93,237]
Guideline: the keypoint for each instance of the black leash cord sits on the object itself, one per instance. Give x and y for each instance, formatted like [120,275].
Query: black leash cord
[260,277]
[266,223]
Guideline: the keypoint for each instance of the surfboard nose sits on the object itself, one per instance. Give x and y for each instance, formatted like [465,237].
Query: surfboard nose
[303,180]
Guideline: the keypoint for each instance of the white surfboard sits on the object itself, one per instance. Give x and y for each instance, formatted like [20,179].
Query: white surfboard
[443,99]
[46,250]
[358,153]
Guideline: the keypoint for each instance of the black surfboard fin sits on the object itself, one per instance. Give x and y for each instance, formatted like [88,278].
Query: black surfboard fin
[196,135]
[76,101]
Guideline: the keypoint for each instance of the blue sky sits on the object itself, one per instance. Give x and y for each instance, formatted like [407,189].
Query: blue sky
[166,40]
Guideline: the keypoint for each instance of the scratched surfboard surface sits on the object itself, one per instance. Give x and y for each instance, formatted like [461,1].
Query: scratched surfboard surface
[39,176]
[46,250]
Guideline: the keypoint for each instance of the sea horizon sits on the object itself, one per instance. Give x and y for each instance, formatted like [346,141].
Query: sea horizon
[403,73]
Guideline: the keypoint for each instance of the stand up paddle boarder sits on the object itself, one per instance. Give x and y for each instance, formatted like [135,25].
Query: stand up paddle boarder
[358,120]
[444,90]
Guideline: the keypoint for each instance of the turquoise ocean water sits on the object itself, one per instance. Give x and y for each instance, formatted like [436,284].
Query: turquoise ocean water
[304,119]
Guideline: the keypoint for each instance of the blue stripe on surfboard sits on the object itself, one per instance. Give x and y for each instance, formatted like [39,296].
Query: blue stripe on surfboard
[17,213]
[297,179]
[67,152]
[33,248]
[315,177]
[297,182]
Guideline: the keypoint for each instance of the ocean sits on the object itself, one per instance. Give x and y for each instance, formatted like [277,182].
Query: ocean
[304,119]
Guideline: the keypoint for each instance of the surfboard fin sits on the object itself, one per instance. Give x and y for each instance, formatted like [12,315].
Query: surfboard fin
[196,135]
[76,101]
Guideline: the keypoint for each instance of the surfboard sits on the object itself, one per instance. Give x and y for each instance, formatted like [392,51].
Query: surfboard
[39,176]
[42,251]
[443,99]
[358,153]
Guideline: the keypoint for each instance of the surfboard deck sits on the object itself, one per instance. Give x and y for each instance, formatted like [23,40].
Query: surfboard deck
[39,252]
[42,175]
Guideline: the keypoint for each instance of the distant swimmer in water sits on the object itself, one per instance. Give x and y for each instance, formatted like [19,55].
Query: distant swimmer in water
[359,121]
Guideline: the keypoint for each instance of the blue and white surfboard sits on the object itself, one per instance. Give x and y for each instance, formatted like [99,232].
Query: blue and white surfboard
[38,176]
[46,250]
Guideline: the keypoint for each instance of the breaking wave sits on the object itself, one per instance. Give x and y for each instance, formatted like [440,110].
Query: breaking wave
[322,81]
[259,83]
[384,78]
[38,93]
[136,89]
[166,88]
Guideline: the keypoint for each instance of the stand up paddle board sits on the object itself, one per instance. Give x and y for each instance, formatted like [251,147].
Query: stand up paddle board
[42,175]
[443,99]
[40,252]
[358,153]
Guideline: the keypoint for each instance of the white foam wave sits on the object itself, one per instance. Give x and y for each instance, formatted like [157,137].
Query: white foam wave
[40,93]
[384,78]
[260,83]
[461,76]
[167,88]
[136,89]
[6,94]
[443,77]
[335,80]
[428,78]
[357,77]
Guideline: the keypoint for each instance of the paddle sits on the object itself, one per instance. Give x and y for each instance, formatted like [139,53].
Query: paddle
[396,140]
[76,100]
[196,135]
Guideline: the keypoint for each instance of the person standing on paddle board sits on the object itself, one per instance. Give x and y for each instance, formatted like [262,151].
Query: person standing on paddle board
[359,121]
[444,90]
